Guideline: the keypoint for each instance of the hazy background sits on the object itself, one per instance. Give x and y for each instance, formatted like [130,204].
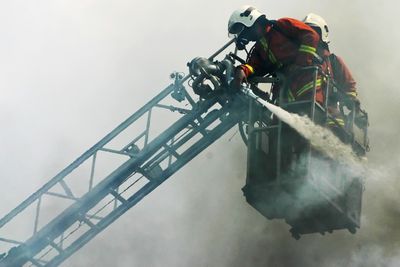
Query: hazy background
[70,71]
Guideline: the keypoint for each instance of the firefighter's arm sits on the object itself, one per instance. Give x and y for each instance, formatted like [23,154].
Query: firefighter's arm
[306,37]
[345,81]
[253,66]
[344,77]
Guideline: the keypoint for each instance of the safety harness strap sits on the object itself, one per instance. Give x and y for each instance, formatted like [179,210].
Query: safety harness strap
[269,53]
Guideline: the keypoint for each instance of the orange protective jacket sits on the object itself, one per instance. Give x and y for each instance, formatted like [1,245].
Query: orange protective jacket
[293,43]
[335,68]
[342,76]
[275,50]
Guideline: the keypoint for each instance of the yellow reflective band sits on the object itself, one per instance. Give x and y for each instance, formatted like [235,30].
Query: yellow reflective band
[290,96]
[308,87]
[335,121]
[308,49]
[264,43]
[267,50]
[271,55]
[352,94]
[311,48]
[250,68]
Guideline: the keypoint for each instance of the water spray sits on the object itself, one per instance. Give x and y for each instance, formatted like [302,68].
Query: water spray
[322,139]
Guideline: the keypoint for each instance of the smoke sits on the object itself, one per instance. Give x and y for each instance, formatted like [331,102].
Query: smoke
[332,178]
[72,70]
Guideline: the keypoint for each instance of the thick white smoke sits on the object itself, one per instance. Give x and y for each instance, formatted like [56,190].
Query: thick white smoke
[72,70]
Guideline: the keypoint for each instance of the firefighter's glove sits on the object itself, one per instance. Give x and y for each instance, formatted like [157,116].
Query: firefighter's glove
[238,79]
[352,101]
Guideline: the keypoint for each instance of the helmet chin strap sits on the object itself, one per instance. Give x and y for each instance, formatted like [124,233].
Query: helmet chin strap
[241,43]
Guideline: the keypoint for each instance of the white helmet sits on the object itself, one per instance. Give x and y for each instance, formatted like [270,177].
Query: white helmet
[241,18]
[315,20]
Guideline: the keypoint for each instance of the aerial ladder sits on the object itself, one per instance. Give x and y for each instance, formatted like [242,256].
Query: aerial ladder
[143,162]
[140,154]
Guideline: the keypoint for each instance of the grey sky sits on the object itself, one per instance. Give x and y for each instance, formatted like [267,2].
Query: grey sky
[72,70]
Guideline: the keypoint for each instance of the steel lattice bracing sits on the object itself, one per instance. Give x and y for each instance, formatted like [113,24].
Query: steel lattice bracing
[145,165]
[142,162]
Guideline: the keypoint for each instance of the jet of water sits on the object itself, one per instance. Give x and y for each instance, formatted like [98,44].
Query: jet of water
[321,139]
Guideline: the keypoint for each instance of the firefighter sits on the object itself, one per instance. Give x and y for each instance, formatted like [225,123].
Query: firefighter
[335,67]
[283,46]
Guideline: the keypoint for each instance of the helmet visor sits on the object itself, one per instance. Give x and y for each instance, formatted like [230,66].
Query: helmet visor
[235,30]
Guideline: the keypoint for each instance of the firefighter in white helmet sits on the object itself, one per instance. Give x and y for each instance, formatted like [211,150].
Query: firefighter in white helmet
[283,45]
[240,25]
[336,68]
[319,24]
